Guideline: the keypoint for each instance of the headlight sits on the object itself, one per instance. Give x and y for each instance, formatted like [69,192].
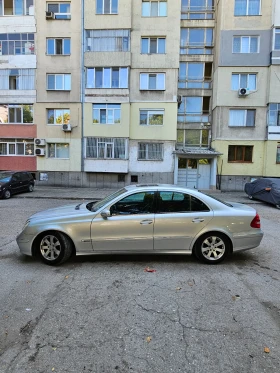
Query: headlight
[26,224]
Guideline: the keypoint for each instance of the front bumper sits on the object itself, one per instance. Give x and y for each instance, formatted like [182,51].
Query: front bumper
[25,242]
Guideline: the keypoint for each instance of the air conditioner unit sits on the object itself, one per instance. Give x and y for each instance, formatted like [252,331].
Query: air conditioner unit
[40,151]
[243,92]
[40,142]
[66,127]
[50,15]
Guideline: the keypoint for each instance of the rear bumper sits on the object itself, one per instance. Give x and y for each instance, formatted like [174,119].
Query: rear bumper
[247,242]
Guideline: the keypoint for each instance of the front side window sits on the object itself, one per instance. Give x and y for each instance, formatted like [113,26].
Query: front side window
[277,39]
[245,44]
[152,81]
[16,114]
[22,147]
[137,203]
[274,114]
[58,46]
[247,7]
[196,41]
[278,154]
[58,116]
[16,44]
[60,10]
[59,82]
[106,148]
[151,117]
[15,79]
[195,75]
[107,77]
[106,6]
[175,202]
[16,7]
[106,113]
[107,41]
[242,118]
[56,150]
[240,153]
[193,138]
[153,45]
[248,81]
[150,151]
[154,8]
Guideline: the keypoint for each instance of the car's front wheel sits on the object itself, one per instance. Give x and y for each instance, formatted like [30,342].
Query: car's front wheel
[7,194]
[212,248]
[54,248]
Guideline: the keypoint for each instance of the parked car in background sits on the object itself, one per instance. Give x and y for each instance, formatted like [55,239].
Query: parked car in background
[12,182]
[143,219]
[264,189]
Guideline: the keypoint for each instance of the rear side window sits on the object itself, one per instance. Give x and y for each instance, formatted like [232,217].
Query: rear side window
[174,202]
[25,176]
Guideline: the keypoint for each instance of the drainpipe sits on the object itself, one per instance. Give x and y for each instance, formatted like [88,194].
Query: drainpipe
[82,83]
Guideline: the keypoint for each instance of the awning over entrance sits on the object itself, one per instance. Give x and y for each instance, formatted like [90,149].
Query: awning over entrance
[197,153]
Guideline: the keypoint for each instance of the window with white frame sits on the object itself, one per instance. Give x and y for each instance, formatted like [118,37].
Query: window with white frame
[22,147]
[107,41]
[16,44]
[58,116]
[106,113]
[153,45]
[277,39]
[59,82]
[16,8]
[278,153]
[14,79]
[201,9]
[106,6]
[106,148]
[248,81]
[152,151]
[196,40]
[60,10]
[107,77]
[242,118]
[154,8]
[274,114]
[245,44]
[16,114]
[58,150]
[151,117]
[247,7]
[59,46]
[193,138]
[153,82]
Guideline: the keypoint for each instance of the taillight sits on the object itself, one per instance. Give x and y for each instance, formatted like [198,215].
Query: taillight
[256,222]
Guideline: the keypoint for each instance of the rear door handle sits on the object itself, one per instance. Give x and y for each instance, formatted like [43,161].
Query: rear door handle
[198,220]
[146,222]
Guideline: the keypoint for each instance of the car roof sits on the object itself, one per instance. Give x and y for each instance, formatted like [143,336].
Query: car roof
[155,186]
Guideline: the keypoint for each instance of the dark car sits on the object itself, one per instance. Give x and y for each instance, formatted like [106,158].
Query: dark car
[264,189]
[12,182]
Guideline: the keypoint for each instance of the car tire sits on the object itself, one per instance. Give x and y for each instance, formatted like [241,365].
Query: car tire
[250,197]
[212,248]
[30,188]
[277,206]
[54,248]
[7,194]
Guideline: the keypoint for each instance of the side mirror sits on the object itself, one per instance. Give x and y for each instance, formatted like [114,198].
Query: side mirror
[105,214]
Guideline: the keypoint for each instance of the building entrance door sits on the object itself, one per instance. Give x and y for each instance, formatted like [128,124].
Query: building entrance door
[194,173]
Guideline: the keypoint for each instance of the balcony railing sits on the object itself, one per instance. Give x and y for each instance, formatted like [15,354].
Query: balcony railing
[194,84]
[193,118]
[196,49]
[197,12]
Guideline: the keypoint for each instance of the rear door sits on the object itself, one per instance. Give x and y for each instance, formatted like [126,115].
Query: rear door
[16,183]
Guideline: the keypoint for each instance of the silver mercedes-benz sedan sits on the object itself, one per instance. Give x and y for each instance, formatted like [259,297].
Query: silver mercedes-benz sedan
[153,218]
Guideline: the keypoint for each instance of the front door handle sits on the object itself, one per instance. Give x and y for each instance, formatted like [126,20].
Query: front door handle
[198,220]
[146,222]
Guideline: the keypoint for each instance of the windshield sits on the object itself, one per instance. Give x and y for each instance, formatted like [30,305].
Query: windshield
[98,205]
[4,177]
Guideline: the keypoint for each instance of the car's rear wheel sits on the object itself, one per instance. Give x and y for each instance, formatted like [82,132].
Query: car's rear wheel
[277,206]
[7,194]
[30,188]
[212,248]
[54,248]
[250,197]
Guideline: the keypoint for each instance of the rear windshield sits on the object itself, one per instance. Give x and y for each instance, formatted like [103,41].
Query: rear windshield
[218,199]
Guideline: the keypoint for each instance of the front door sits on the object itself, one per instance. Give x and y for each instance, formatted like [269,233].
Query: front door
[194,173]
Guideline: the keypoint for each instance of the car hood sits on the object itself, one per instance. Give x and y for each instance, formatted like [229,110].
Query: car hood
[62,212]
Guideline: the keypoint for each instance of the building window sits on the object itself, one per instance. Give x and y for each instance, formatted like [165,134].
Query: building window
[106,113]
[196,41]
[60,10]
[16,114]
[247,7]
[274,114]
[16,8]
[278,154]
[58,116]
[106,6]
[154,82]
[195,75]
[240,153]
[151,117]
[154,8]
[16,44]
[106,148]
[107,77]
[21,147]
[277,39]
[202,9]
[59,82]
[153,45]
[58,150]
[194,110]
[107,40]
[14,79]
[58,46]
[150,151]
[248,81]
[245,44]
[242,118]
[193,138]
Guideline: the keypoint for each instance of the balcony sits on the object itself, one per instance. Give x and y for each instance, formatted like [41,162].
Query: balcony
[195,84]
[197,12]
[184,118]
